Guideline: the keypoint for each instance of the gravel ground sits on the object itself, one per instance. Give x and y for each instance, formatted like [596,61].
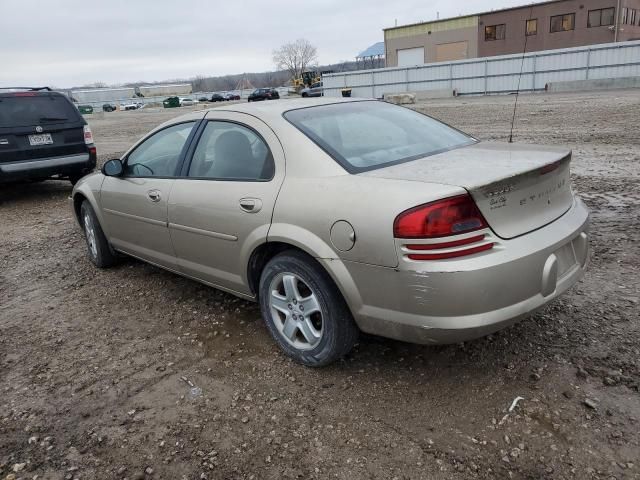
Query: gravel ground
[135,373]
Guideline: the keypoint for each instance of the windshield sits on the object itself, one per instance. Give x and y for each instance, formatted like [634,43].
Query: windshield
[367,135]
[30,110]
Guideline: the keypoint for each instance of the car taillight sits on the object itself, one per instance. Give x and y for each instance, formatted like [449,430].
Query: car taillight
[443,218]
[88,136]
[451,216]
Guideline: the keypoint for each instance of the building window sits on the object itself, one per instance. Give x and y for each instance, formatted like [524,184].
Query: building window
[601,17]
[494,32]
[624,16]
[532,27]
[632,16]
[563,23]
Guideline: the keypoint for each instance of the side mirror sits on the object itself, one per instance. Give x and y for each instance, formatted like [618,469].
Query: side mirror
[113,168]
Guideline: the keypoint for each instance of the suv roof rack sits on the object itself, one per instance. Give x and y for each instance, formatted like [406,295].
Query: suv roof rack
[29,89]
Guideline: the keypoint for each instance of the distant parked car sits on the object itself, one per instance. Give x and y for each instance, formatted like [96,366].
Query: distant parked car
[263,94]
[85,109]
[109,107]
[203,99]
[43,135]
[130,105]
[216,97]
[187,102]
[231,96]
[315,90]
[171,102]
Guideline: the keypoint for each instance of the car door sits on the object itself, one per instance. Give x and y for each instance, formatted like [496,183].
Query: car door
[316,90]
[135,204]
[221,207]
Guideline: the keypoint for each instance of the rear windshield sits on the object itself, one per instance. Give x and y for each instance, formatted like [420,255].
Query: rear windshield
[367,135]
[26,110]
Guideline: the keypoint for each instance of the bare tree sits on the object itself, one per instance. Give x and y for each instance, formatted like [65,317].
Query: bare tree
[295,57]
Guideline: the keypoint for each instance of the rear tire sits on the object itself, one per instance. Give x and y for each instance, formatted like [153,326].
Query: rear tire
[304,311]
[100,252]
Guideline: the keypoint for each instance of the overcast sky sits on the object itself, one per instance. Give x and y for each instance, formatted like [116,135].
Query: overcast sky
[68,43]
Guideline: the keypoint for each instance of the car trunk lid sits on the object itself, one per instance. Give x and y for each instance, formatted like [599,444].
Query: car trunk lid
[518,188]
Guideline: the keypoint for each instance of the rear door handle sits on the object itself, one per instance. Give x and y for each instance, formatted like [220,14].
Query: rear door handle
[251,205]
[154,195]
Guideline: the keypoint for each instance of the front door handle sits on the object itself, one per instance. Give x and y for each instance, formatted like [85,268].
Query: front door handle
[154,195]
[251,205]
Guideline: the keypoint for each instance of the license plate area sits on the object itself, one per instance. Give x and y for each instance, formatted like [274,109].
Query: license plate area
[566,259]
[40,139]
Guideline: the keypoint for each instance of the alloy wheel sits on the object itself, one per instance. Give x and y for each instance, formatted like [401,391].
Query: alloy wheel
[295,311]
[90,233]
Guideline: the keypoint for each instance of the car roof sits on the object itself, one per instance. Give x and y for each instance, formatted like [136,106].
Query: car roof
[275,108]
[268,111]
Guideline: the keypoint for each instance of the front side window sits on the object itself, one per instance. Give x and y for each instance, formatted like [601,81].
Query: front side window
[230,151]
[158,155]
[367,135]
[601,17]
[494,32]
[531,27]
[563,23]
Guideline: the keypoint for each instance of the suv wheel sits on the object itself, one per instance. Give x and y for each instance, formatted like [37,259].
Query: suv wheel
[100,252]
[304,310]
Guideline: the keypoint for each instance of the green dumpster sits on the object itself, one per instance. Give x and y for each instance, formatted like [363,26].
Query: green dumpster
[171,102]
[85,109]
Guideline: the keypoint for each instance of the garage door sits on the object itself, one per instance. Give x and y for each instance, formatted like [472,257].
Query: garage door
[410,56]
[451,51]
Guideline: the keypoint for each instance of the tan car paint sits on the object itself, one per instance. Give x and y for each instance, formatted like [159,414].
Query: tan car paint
[136,224]
[388,294]
[213,237]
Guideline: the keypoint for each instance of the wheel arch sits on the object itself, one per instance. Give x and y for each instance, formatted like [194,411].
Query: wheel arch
[87,189]
[333,266]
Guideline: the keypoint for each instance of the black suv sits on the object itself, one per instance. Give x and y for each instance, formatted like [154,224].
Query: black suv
[264,94]
[42,135]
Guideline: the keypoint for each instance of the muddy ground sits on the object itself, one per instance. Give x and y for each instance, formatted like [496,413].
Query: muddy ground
[134,372]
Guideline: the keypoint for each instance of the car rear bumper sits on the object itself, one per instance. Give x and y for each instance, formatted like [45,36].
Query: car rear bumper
[456,300]
[76,164]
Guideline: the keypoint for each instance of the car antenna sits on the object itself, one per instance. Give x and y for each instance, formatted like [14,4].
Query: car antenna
[524,51]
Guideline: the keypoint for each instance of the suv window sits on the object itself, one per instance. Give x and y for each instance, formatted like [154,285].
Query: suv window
[27,109]
[158,155]
[229,151]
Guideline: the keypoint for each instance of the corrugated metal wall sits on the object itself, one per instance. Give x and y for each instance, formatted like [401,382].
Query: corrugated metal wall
[494,74]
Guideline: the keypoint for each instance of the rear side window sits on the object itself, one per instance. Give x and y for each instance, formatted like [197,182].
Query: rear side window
[27,109]
[367,135]
[229,151]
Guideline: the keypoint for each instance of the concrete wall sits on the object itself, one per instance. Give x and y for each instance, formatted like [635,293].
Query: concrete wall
[429,35]
[499,74]
[515,19]
[597,84]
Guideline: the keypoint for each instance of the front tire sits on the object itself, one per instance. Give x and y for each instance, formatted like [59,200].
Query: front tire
[100,252]
[304,311]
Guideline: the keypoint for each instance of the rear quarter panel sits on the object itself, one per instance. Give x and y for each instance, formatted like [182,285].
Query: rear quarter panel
[307,208]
